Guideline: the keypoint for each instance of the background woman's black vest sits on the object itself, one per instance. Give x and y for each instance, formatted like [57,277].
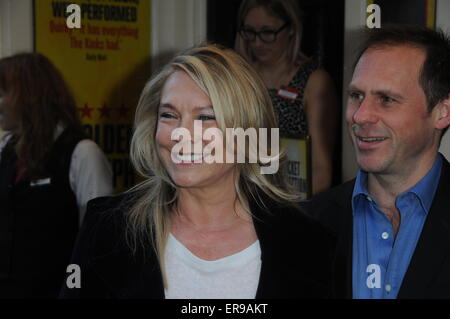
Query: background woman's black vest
[38,224]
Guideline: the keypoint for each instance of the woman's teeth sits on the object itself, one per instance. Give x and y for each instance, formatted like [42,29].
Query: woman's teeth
[190,157]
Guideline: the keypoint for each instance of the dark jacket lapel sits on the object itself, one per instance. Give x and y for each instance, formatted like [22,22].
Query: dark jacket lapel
[344,260]
[124,273]
[130,276]
[267,284]
[266,278]
[333,209]
[344,255]
[433,247]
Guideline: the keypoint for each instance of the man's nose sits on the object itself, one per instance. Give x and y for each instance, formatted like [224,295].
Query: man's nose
[365,113]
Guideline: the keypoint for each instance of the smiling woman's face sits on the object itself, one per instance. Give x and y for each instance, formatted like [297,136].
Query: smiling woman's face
[183,102]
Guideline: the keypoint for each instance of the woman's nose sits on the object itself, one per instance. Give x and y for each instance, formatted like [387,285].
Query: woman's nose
[194,130]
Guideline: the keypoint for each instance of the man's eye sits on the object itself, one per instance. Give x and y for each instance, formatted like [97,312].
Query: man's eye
[207,118]
[356,96]
[387,99]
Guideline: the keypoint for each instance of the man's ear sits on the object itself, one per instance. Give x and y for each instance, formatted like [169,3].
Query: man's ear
[443,113]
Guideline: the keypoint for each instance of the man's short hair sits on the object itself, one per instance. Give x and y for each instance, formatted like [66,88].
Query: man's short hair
[434,77]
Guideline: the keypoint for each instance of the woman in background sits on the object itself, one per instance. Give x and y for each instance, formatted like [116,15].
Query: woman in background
[302,93]
[198,229]
[48,172]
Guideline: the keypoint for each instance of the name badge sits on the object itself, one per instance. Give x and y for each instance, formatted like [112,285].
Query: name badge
[288,93]
[40,182]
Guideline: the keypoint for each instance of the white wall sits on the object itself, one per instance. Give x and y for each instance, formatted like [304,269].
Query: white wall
[176,25]
[16,26]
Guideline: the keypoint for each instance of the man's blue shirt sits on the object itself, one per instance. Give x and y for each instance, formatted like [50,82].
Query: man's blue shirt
[380,261]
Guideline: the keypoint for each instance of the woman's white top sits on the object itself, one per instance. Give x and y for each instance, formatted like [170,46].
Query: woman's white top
[232,277]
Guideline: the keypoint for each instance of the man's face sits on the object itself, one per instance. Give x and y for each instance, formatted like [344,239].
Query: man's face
[387,115]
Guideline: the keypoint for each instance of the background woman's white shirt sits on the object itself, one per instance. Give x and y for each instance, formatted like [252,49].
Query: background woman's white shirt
[90,174]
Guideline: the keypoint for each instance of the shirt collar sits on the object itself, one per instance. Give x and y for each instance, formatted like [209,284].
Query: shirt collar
[427,186]
[360,189]
[425,189]
[360,184]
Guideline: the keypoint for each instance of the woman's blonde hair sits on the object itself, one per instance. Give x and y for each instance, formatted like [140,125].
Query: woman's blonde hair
[239,100]
[286,10]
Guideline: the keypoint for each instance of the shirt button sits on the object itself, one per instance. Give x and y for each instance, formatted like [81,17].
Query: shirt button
[385,235]
[369,199]
[388,288]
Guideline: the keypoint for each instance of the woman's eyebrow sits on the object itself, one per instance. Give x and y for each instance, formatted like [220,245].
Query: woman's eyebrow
[203,108]
[167,105]
[197,108]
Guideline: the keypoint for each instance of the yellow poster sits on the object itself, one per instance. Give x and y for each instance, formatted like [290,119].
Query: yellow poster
[106,63]
[298,151]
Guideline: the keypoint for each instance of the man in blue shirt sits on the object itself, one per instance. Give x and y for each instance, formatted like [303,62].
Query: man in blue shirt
[393,220]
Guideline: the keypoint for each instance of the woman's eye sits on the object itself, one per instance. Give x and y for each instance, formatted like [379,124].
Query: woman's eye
[167,116]
[207,118]
[267,33]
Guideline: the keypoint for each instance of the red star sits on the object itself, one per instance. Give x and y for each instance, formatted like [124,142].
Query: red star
[123,111]
[85,111]
[105,111]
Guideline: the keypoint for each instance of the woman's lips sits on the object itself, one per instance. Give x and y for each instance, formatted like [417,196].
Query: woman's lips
[260,52]
[188,159]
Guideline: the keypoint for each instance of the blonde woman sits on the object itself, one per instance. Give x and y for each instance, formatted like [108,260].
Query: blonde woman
[194,229]
[302,93]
